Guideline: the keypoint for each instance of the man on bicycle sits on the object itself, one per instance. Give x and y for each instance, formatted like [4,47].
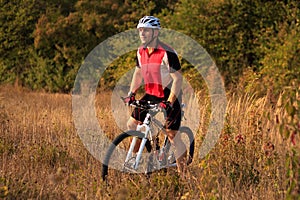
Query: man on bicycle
[159,67]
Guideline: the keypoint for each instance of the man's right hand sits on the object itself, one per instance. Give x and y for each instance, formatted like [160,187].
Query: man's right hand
[130,98]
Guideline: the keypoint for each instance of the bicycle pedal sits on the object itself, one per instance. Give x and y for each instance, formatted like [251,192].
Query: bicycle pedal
[171,159]
[130,163]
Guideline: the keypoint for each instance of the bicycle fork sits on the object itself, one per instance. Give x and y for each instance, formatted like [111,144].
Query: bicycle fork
[145,125]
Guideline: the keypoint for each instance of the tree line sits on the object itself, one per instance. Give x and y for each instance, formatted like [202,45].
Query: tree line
[255,43]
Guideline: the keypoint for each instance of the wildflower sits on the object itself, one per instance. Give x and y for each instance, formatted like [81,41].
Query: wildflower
[293,138]
[239,139]
[269,148]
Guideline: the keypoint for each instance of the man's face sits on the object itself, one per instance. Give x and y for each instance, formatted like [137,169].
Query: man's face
[146,34]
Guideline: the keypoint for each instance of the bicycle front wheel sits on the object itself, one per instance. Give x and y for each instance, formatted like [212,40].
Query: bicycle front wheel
[115,166]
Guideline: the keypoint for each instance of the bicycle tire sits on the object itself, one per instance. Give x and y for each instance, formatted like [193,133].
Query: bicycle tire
[190,144]
[112,149]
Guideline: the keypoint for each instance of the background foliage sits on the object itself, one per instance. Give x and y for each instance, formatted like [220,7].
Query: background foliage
[43,43]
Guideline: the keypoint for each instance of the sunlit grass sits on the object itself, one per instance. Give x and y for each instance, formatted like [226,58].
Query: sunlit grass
[42,157]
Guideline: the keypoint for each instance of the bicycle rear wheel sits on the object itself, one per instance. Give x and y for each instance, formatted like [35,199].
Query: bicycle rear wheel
[188,139]
[114,167]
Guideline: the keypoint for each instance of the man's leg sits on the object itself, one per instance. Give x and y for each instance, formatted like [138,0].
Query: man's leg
[132,124]
[180,150]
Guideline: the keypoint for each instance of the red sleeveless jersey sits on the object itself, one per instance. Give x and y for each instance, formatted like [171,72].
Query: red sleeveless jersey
[156,68]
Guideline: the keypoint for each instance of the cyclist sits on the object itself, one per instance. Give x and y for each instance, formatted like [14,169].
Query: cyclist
[159,67]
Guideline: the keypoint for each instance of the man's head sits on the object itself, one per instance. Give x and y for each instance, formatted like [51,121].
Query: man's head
[148,27]
[149,22]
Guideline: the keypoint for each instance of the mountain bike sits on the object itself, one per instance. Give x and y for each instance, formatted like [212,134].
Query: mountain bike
[155,151]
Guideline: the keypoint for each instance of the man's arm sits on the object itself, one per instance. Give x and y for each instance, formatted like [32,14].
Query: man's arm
[176,86]
[136,80]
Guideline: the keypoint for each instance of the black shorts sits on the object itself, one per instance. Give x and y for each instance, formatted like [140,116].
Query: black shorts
[173,117]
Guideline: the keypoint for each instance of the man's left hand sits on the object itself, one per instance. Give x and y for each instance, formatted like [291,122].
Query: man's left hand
[165,105]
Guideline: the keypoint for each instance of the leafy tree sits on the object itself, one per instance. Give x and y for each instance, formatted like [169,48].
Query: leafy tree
[17,24]
[281,64]
[64,39]
[43,43]
[232,31]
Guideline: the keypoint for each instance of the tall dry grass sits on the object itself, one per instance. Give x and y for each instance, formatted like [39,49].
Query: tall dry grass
[42,156]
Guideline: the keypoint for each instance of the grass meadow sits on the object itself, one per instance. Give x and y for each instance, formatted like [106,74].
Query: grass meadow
[42,157]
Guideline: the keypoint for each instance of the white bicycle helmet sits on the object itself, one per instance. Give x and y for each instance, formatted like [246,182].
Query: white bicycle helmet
[149,22]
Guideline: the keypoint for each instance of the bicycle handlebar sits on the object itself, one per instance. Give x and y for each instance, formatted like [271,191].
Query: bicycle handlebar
[148,105]
[145,105]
